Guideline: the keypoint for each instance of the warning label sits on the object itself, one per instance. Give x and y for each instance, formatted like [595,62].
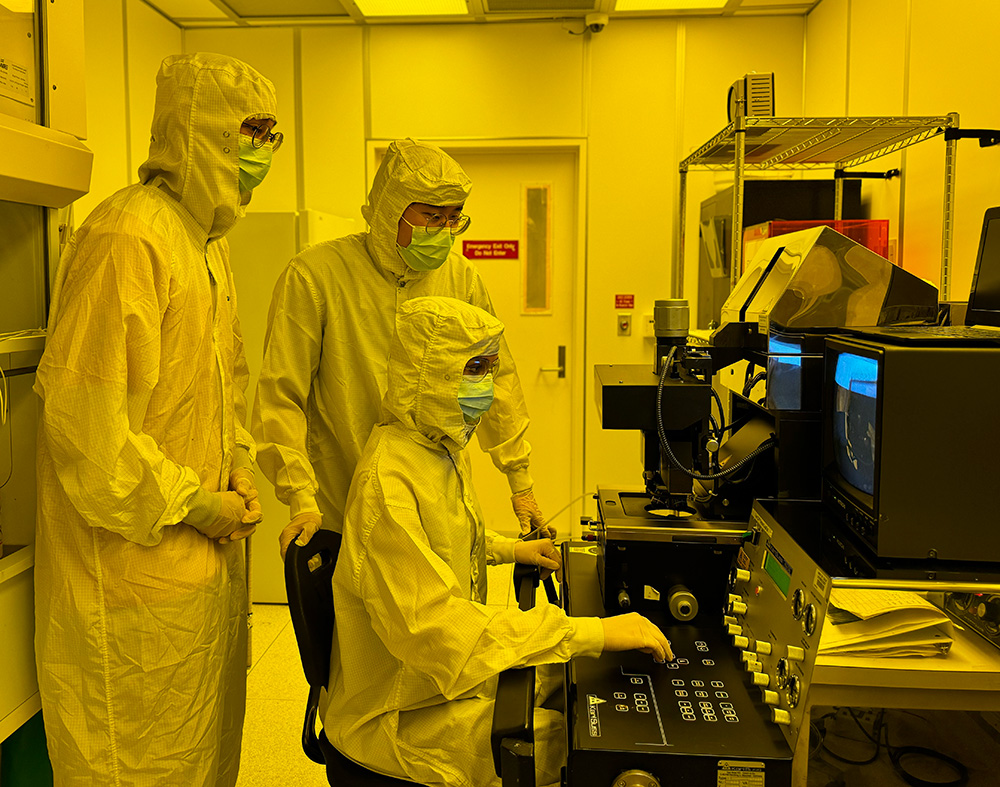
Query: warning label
[490,249]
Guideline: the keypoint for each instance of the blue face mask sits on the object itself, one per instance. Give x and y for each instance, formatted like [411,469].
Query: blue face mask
[426,252]
[475,398]
[254,164]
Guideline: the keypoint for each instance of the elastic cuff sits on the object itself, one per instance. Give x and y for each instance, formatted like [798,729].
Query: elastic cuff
[500,550]
[587,638]
[242,458]
[203,508]
[301,503]
[519,480]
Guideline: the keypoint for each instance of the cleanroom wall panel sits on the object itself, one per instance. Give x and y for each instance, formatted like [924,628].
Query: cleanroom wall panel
[150,38]
[107,119]
[271,52]
[876,88]
[493,81]
[826,56]
[333,121]
[952,69]
[631,215]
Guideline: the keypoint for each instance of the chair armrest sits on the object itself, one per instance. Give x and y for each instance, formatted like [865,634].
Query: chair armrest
[512,737]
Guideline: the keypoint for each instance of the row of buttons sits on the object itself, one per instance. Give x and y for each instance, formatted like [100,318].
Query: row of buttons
[722,695]
[697,684]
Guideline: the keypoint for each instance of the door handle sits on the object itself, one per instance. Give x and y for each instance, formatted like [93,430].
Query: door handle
[561,368]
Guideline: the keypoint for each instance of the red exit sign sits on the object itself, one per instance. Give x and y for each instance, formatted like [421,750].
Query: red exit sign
[490,249]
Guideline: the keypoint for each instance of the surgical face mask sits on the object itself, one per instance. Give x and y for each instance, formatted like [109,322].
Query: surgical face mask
[426,252]
[254,164]
[475,398]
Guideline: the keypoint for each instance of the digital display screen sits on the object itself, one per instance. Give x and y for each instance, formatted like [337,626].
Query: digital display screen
[777,572]
[784,374]
[854,419]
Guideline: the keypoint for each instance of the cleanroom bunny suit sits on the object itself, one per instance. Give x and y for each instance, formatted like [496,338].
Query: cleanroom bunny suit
[330,324]
[416,651]
[141,619]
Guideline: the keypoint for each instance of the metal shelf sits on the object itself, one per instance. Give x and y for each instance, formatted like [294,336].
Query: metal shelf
[815,143]
[763,143]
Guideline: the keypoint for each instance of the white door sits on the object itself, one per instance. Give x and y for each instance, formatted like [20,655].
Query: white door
[513,185]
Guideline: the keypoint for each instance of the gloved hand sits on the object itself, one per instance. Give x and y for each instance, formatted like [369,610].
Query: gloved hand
[539,552]
[632,631]
[300,529]
[233,517]
[529,515]
[241,481]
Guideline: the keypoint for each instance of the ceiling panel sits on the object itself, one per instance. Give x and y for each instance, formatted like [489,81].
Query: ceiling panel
[287,8]
[187,9]
[203,13]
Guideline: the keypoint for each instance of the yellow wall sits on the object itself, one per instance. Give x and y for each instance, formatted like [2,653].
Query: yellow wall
[923,58]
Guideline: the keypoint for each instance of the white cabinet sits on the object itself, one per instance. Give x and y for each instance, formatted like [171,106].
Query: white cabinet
[19,699]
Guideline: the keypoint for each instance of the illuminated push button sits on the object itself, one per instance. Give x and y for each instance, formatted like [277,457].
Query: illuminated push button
[733,629]
[738,608]
[779,716]
[763,648]
[741,574]
[761,679]
[733,597]
[748,656]
[741,642]
[795,653]
[729,620]
[770,697]
[753,666]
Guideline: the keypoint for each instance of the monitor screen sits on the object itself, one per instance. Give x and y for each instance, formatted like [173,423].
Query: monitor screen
[984,301]
[855,419]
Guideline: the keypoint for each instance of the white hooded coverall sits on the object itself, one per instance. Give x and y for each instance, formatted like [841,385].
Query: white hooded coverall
[329,327]
[140,619]
[416,651]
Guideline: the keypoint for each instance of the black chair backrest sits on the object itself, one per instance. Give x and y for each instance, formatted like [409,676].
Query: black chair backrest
[309,583]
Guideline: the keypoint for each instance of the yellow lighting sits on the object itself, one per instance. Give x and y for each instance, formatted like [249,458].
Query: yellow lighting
[669,5]
[411,7]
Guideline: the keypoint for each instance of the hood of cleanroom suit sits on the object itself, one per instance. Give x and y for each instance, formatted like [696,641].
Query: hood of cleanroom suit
[140,620]
[194,146]
[411,171]
[434,339]
[416,649]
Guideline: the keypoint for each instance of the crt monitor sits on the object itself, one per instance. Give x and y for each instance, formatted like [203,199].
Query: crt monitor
[911,447]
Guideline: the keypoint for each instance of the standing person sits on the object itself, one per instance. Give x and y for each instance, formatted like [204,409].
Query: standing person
[144,465]
[416,651]
[328,334]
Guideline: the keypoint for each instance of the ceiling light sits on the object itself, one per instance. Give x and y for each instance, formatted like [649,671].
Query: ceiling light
[669,5]
[411,7]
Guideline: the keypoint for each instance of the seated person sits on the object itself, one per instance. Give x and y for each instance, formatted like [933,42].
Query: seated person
[416,650]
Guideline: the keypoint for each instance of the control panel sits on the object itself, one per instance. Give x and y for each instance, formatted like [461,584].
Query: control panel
[774,616]
[978,611]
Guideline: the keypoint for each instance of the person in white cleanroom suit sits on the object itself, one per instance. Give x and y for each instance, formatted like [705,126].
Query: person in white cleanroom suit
[144,479]
[328,333]
[416,651]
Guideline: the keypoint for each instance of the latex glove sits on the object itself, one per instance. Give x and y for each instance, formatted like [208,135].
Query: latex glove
[241,481]
[233,517]
[540,552]
[634,632]
[300,530]
[529,515]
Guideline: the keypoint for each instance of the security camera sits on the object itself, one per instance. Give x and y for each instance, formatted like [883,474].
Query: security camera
[596,22]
